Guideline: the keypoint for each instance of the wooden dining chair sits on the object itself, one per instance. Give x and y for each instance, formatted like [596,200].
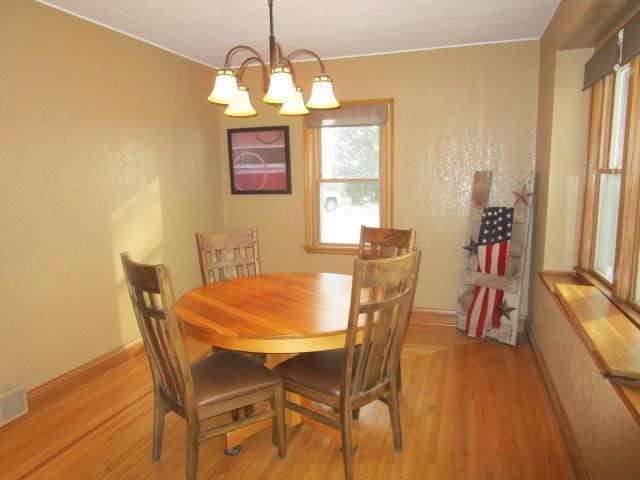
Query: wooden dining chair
[349,378]
[228,255]
[384,242]
[213,385]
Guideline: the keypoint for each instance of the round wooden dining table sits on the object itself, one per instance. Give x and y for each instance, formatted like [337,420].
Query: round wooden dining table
[274,313]
[278,314]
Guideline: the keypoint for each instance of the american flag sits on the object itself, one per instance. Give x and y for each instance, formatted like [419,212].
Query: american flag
[493,246]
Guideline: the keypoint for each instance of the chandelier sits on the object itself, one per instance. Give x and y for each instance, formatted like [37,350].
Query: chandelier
[279,84]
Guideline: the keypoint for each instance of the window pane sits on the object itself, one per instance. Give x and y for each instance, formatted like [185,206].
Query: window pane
[346,206]
[607,224]
[350,152]
[619,117]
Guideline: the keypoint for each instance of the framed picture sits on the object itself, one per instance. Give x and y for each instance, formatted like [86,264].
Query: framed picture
[259,160]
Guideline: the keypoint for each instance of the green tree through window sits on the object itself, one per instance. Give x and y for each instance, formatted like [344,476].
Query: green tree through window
[357,155]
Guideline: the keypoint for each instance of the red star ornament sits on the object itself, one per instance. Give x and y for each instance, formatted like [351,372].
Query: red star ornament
[523,196]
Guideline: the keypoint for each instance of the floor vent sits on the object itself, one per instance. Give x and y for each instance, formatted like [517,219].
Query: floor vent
[13,404]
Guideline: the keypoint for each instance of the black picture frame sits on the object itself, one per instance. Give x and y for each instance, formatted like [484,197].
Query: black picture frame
[259,161]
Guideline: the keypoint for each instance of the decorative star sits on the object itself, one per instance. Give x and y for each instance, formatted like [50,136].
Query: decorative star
[505,310]
[523,196]
[472,248]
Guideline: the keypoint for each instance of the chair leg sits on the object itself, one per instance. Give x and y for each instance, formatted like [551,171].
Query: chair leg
[235,415]
[394,415]
[347,447]
[159,412]
[248,411]
[193,449]
[278,432]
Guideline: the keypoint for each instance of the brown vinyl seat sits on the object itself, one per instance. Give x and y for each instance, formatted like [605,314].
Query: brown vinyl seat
[228,255]
[220,378]
[346,379]
[384,242]
[214,385]
[319,370]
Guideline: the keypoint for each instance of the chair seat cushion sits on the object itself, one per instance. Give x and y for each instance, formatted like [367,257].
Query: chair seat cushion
[320,371]
[226,375]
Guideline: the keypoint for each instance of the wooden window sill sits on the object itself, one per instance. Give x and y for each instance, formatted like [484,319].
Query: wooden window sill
[590,279]
[612,338]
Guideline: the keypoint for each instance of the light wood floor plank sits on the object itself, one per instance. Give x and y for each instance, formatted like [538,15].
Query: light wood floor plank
[470,410]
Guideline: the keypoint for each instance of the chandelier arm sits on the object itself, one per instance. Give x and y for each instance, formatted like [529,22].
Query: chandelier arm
[304,51]
[239,48]
[246,63]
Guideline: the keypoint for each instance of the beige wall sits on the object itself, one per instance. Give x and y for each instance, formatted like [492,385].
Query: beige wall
[607,436]
[106,145]
[456,110]
[568,151]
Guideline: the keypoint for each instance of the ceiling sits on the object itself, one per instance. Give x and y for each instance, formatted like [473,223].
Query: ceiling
[204,30]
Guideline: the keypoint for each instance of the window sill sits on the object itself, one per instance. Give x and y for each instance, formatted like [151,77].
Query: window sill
[612,339]
[333,249]
[626,308]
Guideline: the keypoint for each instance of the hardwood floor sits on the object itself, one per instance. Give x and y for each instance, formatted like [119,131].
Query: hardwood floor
[470,410]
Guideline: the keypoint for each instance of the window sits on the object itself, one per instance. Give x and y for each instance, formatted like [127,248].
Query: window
[348,169]
[610,247]
[609,176]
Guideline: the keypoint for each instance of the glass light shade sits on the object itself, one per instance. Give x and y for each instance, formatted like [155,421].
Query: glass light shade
[224,88]
[294,105]
[322,95]
[241,104]
[280,85]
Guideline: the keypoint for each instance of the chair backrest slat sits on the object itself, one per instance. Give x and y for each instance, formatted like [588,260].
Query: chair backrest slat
[381,299]
[228,255]
[384,242]
[152,299]
[380,349]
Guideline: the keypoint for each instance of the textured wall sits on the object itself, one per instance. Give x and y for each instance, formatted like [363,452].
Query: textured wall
[106,145]
[568,152]
[607,437]
[456,110]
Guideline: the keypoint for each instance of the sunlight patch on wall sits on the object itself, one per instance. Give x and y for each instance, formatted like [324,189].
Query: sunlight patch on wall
[137,229]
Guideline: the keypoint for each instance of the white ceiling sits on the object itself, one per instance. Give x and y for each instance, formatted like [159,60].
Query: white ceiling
[204,30]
